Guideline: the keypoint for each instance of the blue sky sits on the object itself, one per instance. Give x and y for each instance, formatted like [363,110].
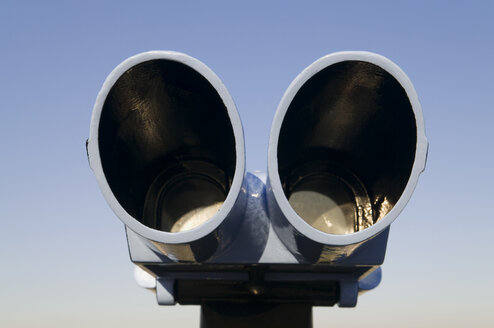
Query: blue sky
[63,255]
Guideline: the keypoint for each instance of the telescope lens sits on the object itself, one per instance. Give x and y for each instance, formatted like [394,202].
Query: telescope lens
[184,196]
[330,198]
[188,203]
[326,204]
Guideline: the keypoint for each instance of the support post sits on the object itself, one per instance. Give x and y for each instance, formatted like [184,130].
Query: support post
[258,315]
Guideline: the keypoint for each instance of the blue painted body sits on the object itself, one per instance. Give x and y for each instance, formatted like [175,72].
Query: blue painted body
[256,243]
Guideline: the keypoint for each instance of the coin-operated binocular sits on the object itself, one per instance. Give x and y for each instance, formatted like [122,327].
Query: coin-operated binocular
[346,148]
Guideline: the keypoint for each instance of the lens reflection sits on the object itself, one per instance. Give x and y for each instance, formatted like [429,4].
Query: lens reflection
[184,196]
[188,204]
[326,204]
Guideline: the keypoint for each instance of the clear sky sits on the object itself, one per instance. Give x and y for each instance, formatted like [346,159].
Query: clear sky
[63,254]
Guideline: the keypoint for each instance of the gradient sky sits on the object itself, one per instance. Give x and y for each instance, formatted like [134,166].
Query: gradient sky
[63,253]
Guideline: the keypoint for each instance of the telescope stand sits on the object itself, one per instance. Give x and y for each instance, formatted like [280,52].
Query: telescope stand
[258,315]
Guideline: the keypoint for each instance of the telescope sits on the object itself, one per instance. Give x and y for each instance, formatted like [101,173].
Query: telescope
[346,148]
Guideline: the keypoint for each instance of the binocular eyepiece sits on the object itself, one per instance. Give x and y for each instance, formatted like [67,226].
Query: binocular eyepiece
[346,148]
[166,145]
